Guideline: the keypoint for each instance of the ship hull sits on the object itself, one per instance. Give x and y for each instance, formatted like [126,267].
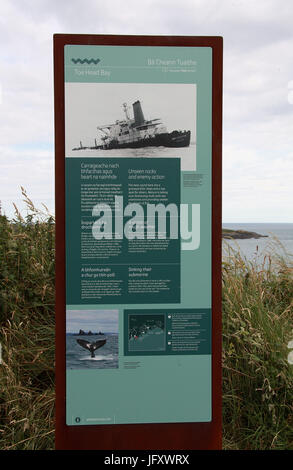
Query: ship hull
[173,139]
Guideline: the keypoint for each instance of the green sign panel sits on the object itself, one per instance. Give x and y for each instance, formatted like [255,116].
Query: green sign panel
[138,148]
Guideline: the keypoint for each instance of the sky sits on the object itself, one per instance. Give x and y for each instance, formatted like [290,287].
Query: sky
[92,320]
[258,91]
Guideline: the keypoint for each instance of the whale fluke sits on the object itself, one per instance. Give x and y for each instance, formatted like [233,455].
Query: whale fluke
[91,346]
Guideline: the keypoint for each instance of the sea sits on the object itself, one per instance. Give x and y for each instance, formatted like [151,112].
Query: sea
[279,240]
[187,155]
[106,357]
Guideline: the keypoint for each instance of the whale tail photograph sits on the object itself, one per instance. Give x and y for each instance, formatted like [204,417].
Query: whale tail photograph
[92,347]
[92,339]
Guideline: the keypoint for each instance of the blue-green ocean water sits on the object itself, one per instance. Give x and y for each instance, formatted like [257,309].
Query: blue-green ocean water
[255,248]
[106,357]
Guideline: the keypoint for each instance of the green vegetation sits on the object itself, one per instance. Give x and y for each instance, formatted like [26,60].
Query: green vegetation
[27,331]
[257,325]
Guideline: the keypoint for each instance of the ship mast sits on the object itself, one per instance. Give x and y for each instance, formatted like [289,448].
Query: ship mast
[125,109]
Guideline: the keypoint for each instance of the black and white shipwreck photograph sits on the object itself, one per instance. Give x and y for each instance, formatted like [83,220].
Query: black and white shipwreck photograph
[131,120]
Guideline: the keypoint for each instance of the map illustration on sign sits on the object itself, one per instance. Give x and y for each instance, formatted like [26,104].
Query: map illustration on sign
[146,332]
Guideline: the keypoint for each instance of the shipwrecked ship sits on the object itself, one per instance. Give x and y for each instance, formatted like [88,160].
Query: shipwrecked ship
[137,132]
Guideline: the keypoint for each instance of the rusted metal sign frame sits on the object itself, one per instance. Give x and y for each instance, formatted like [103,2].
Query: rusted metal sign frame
[179,436]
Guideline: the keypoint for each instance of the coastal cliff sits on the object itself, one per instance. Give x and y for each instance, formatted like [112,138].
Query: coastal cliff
[240,234]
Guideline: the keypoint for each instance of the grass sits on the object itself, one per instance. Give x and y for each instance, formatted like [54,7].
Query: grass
[257,326]
[27,331]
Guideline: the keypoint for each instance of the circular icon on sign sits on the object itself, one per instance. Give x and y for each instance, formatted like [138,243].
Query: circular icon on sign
[77,420]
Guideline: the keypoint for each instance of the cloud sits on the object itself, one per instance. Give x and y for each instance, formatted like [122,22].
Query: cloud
[31,168]
[258,40]
[94,320]
[257,187]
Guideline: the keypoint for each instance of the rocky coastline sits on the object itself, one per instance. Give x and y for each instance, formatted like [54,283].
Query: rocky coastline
[240,234]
